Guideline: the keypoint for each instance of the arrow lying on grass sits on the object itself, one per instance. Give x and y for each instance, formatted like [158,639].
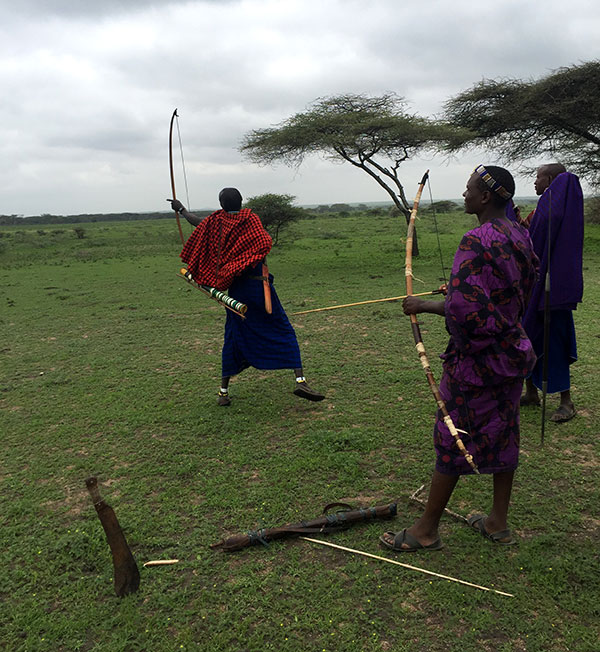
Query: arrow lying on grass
[409,566]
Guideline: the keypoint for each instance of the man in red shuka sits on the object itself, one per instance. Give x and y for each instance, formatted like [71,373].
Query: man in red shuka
[227,250]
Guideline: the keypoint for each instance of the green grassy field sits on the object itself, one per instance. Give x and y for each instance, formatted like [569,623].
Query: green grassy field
[110,367]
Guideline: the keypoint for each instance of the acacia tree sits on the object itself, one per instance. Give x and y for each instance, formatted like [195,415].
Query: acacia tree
[557,116]
[275,211]
[374,134]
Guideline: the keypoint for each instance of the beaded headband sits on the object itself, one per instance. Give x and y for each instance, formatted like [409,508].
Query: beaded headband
[492,183]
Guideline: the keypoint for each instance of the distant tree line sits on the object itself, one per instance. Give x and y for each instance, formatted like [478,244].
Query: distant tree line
[46,218]
[274,210]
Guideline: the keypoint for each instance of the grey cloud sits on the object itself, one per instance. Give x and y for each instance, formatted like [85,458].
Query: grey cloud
[88,95]
[91,8]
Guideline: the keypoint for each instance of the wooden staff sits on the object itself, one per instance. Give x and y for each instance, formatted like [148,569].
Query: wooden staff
[547,317]
[399,563]
[362,303]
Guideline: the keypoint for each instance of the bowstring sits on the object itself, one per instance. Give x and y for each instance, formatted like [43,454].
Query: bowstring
[185,183]
[445,279]
[437,232]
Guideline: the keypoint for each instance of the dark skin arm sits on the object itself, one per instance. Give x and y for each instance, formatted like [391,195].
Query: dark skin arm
[416,305]
[177,206]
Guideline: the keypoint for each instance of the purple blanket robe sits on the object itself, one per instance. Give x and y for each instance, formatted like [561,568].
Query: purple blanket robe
[561,208]
[510,211]
[488,354]
[562,204]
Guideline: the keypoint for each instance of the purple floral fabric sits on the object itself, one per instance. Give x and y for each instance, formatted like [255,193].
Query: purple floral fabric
[489,353]
[490,417]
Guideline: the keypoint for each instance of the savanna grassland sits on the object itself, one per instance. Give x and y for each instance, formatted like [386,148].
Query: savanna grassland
[110,367]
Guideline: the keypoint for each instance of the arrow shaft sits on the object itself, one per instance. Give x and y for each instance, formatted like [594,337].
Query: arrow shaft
[363,303]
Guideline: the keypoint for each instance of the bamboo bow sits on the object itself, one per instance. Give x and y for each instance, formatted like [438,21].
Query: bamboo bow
[220,297]
[417,331]
[173,174]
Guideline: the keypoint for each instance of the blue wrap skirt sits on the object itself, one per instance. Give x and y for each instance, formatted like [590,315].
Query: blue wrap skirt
[260,340]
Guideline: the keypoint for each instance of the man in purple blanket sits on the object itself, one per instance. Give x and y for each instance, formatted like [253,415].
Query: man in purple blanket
[561,207]
[486,360]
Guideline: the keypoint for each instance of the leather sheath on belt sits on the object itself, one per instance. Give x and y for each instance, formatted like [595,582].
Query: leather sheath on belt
[267,289]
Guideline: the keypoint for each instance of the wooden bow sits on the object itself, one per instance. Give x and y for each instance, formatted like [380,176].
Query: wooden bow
[173,174]
[226,301]
[417,331]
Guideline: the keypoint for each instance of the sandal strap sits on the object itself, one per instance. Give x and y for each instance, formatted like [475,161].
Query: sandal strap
[498,536]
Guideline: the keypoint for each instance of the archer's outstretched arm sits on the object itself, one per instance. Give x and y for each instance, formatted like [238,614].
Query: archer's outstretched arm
[414,306]
[178,207]
[194,220]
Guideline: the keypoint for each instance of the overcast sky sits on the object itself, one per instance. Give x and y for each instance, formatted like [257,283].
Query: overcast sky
[88,89]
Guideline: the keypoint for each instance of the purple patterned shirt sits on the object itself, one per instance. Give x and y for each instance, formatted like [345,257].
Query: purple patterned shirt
[493,273]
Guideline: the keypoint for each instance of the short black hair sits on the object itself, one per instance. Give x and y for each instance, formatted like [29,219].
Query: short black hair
[553,169]
[230,200]
[504,178]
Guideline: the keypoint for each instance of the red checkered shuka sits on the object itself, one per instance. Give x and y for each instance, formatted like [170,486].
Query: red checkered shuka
[527,221]
[223,245]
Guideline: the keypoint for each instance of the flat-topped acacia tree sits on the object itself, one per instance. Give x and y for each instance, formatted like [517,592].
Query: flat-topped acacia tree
[374,134]
[555,117]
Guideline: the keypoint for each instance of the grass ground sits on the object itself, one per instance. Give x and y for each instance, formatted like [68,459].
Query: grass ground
[110,366]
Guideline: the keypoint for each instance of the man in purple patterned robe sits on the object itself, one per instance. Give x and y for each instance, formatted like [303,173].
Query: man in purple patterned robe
[486,360]
[560,207]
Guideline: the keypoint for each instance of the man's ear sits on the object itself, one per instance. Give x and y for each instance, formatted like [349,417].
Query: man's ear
[486,196]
